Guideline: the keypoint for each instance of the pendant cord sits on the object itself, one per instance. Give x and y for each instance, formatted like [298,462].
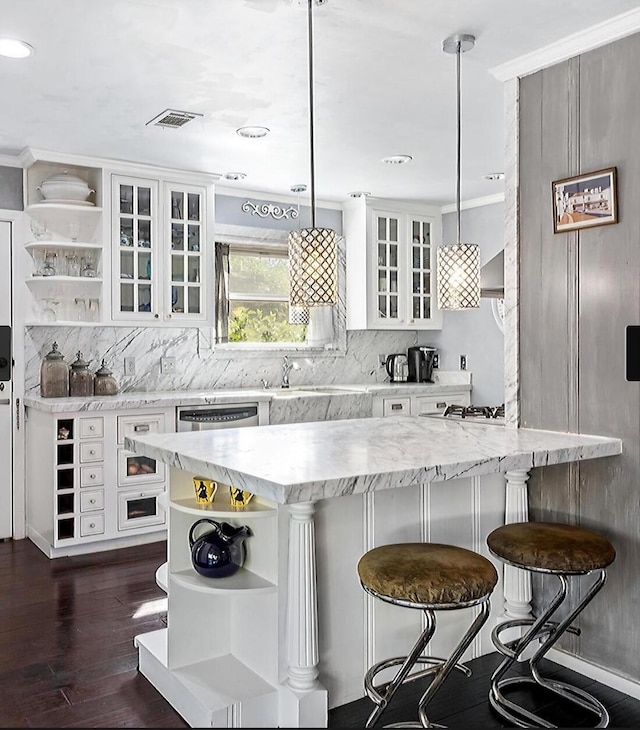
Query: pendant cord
[458,138]
[311,135]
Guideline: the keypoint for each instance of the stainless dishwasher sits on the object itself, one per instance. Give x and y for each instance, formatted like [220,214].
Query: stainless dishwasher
[207,417]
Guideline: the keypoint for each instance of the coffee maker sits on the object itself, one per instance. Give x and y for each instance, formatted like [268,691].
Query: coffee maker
[420,364]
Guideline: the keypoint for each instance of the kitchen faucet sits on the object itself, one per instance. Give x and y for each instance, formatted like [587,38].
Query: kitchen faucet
[287,367]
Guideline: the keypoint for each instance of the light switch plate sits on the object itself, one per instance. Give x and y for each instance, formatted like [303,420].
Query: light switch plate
[130,365]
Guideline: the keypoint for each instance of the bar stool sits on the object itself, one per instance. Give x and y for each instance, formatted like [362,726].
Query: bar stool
[565,551]
[430,577]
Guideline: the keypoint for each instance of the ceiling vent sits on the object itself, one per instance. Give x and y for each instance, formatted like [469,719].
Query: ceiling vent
[173,119]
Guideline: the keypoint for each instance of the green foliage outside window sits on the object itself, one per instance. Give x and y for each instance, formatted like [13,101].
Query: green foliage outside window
[263,323]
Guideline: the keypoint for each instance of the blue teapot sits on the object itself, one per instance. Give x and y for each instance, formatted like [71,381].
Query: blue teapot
[221,551]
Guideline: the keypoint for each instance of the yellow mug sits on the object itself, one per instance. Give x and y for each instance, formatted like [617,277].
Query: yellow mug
[205,489]
[238,497]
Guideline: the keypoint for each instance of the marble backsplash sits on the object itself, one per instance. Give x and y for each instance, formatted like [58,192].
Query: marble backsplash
[198,367]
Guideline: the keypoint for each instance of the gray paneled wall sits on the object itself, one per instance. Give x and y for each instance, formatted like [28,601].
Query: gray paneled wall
[578,291]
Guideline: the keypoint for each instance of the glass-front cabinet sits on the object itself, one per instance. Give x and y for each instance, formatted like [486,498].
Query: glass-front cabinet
[390,268]
[158,234]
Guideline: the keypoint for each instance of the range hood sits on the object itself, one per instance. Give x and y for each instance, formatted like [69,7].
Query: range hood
[492,277]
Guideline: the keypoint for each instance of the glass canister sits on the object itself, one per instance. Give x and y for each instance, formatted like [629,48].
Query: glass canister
[54,375]
[80,378]
[104,382]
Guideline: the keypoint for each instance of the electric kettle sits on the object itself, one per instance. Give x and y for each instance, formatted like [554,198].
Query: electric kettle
[396,366]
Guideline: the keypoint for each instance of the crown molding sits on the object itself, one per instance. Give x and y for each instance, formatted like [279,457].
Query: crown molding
[608,31]
[10,161]
[474,203]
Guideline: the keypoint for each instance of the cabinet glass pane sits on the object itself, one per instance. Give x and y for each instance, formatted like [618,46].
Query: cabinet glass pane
[393,281]
[393,307]
[421,270]
[144,201]
[426,283]
[177,299]
[177,268]
[416,257]
[126,199]
[126,297]
[193,238]
[416,283]
[393,256]
[126,231]
[177,205]
[382,229]
[382,254]
[144,234]
[141,507]
[382,281]
[144,264]
[126,264]
[177,236]
[416,307]
[382,306]
[194,299]
[144,297]
[194,206]
[426,257]
[140,465]
[393,229]
[193,267]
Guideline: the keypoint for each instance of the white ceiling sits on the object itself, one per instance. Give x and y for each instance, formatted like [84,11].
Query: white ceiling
[383,86]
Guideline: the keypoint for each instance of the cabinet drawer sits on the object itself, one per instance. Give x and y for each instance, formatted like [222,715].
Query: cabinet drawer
[137,425]
[91,476]
[396,407]
[91,451]
[91,428]
[91,525]
[140,509]
[431,405]
[92,500]
[138,469]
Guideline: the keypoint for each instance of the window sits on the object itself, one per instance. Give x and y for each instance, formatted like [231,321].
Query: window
[252,294]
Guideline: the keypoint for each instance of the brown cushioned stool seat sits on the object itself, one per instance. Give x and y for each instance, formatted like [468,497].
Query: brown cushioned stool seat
[566,552]
[431,577]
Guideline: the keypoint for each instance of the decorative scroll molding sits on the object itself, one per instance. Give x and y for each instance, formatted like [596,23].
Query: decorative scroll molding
[269,209]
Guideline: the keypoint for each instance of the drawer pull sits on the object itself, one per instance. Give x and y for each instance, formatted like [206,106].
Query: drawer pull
[92,452]
[92,476]
[441,404]
[396,406]
[92,501]
[141,427]
[92,428]
[92,525]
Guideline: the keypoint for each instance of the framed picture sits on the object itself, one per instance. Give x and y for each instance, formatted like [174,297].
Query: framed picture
[585,201]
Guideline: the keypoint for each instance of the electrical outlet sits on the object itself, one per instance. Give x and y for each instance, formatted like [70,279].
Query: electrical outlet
[382,359]
[167,365]
[463,362]
[436,361]
[129,366]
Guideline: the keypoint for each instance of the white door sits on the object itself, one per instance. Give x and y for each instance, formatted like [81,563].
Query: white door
[6,431]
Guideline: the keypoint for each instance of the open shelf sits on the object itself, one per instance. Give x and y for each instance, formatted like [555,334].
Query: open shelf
[220,509]
[162,577]
[92,281]
[71,245]
[61,211]
[243,581]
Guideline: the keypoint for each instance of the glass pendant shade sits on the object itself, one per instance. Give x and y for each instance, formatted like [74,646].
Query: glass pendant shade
[459,276]
[313,267]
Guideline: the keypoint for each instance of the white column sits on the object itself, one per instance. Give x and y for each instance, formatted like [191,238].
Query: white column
[303,699]
[516,582]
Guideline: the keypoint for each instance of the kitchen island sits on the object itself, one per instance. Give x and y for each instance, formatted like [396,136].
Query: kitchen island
[292,632]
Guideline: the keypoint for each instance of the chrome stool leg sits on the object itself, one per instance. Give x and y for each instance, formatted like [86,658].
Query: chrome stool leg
[548,632]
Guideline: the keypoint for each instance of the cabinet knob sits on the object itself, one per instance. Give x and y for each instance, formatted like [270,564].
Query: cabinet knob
[156,316]
[92,525]
[92,476]
[92,428]
[412,320]
[92,501]
[92,452]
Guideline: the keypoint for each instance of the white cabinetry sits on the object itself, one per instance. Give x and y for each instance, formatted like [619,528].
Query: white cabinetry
[216,623]
[160,267]
[391,258]
[85,492]
[418,405]
[64,242]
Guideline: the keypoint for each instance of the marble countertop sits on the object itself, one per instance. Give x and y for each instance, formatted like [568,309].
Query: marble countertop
[309,461]
[162,399]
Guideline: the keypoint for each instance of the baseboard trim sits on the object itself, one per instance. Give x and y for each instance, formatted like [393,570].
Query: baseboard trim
[604,676]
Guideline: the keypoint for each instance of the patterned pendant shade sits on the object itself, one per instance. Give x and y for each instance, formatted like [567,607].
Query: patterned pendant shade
[458,265]
[313,252]
[459,276]
[313,266]
[299,315]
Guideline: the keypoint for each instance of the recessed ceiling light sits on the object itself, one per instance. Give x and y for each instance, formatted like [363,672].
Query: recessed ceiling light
[359,194]
[252,132]
[12,48]
[397,159]
[235,175]
[494,176]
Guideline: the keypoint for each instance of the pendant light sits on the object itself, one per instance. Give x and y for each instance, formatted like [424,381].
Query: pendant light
[298,315]
[313,252]
[458,266]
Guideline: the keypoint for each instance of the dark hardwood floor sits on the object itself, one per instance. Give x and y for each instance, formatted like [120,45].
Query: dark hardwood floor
[67,657]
